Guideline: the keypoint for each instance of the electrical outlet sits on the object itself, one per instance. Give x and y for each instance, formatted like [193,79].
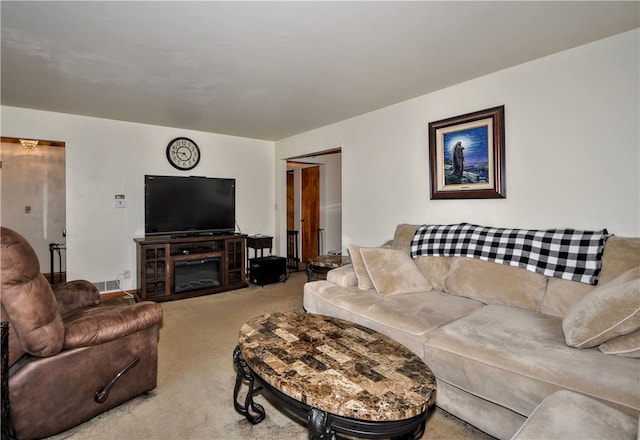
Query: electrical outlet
[127,274]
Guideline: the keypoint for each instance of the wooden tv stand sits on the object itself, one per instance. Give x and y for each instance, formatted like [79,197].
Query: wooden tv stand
[172,268]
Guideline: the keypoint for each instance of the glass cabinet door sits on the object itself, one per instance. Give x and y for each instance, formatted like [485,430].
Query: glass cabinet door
[155,275]
[235,261]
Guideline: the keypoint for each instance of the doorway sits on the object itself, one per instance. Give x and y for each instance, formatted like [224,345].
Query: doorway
[314,205]
[33,201]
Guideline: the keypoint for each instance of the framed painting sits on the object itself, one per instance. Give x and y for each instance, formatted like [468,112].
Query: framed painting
[466,156]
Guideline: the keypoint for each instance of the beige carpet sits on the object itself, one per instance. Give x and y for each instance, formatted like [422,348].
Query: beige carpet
[196,375]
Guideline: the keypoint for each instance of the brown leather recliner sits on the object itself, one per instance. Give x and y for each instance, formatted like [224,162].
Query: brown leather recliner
[70,357]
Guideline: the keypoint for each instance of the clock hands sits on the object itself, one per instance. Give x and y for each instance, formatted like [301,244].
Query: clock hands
[183,153]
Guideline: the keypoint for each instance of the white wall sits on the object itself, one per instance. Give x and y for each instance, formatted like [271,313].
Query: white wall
[331,206]
[106,157]
[572,149]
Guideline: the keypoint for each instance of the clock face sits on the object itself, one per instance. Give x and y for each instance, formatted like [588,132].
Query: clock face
[183,153]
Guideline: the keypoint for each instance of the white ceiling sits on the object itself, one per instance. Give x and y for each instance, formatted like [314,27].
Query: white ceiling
[269,70]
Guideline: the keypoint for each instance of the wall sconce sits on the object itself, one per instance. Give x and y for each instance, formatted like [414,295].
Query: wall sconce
[29,144]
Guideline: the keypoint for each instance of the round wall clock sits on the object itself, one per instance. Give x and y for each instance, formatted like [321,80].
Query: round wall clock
[183,153]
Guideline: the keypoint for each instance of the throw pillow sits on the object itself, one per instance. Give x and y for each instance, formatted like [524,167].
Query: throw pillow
[625,345]
[364,282]
[608,311]
[393,271]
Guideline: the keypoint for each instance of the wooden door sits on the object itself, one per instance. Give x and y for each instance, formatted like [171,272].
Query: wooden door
[290,201]
[310,212]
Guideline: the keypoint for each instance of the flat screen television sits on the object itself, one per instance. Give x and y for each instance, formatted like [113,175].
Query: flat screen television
[180,206]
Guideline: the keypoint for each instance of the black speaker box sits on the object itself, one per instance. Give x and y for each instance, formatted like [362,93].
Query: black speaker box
[267,270]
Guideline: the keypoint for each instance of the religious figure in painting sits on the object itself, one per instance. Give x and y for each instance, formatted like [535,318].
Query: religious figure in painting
[458,160]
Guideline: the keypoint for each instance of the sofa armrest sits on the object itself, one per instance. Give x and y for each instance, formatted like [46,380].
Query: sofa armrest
[75,295]
[103,324]
[343,276]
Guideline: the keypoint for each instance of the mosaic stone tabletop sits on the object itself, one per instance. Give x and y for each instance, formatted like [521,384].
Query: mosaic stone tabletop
[330,261]
[337,366]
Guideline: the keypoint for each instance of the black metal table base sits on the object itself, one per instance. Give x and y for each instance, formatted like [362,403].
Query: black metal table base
[321,424]
[254,412]
[315,273]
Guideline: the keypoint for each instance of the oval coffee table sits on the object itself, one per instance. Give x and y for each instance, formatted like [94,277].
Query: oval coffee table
[339,376]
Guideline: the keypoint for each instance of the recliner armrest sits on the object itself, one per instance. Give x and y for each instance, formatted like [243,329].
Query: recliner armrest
[102,324]
[75,295]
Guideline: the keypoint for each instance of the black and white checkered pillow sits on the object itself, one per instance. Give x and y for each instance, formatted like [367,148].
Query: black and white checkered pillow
[561,253]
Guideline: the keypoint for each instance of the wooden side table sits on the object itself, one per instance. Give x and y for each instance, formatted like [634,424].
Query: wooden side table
[259,243]
[322,264]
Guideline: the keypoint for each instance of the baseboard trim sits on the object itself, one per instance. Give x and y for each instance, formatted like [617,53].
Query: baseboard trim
[116,295]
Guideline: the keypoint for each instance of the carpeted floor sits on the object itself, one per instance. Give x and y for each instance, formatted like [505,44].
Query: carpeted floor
[196,375]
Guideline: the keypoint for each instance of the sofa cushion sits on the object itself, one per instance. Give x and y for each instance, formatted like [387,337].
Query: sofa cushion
[364,281]
[620,255]
[515,358]
[403,236]
[560,295]
[407,318]
[625,345]
[494,283]
[393,271]
[610,310]
[569,415]
[434,269]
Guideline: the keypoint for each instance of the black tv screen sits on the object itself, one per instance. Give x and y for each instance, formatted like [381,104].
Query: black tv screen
[189,205]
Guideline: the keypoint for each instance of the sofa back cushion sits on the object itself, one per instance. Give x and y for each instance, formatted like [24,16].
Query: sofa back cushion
[434,269]
[620,255]
[494,283]
[403,236]
[27,298]
[562,294]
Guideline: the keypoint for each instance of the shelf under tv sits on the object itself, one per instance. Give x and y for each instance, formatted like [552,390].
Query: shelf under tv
[192,265]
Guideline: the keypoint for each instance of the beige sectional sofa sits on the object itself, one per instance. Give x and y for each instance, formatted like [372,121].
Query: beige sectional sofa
[499,339]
